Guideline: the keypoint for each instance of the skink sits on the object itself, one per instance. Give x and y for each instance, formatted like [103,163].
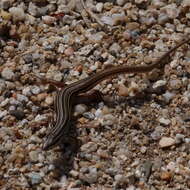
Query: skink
[65,97]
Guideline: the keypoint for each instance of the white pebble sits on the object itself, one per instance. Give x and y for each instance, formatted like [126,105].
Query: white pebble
[34,156]
[35,90]
[3,113]
[168,96]
[159,83]
[80,108]
[48,19]
[164,121]
[17,13]
[22,98]
[166,142]
[27,91]
[99,7]
[7,74]
[4,102]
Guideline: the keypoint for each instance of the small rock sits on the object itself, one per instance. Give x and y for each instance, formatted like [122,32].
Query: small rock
[119,178]
[171,10]
[163,18]
[159,84]
[166,176]
[175,84]
[3,113]
[143,149]
[17,13]
[99,7]
[18,114]
[74,173]
[131,187]
[21,98]
[49,100]
[5,15]
[168,96]
[115,48]
[5,4]
[171,166]
[80,108]
[40,118]
[108,119]
[107,20]
[7,74]
[34,156]
[179,138]
[121,2]
[185,3]
[35,90]
[89,147]
[35,178]
[69,51]
[122,90]
[166,142]
[49,20]
[88,115]
[85,50]
[4,102]
[164,121]
[27,91]
[92,176]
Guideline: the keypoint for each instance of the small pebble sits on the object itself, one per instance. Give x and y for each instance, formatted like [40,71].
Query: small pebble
[18,114]
[164,121]
[159,83]
[22,98]
[5,4]
[3,113]
[99,7]
[4,102]
[179,138]
[115,48]
[80,108]
[26,91]
[123,90]
[175,84]
[35,178]
[166,142]
[34,156]
[35,90]
[166,176]
[49,100]
[89,147]
[7,74]
[168,96]
[69,51]
[17,13]
[49,20]
[171,166]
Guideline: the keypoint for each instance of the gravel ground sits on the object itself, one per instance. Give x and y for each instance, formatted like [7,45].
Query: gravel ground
[141,140]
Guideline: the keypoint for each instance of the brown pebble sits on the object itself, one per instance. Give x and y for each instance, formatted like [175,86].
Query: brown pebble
[122,90]
[166,176]
[41,96]
[69,51]
[49,100]
[79,68]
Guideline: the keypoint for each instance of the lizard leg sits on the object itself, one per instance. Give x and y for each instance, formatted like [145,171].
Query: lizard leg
[92,96]
[55,83]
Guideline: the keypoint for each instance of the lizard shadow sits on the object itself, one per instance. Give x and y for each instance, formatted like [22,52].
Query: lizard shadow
[70,145]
